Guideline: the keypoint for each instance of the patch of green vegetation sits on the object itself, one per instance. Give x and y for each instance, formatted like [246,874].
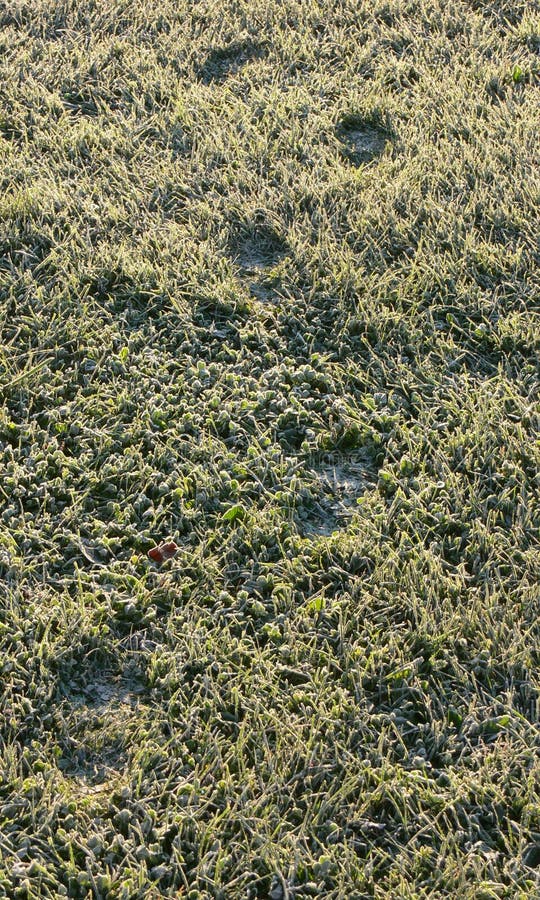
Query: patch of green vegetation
[269,288]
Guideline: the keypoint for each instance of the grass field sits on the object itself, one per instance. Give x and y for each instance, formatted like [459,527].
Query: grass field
[270,288]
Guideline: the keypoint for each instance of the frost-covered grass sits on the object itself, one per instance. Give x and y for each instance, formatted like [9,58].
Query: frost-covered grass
[269,288]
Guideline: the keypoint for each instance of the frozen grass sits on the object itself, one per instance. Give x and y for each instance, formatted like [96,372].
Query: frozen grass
[269,287]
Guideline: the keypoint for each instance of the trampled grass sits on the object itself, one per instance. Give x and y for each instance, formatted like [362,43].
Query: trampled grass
[269,288]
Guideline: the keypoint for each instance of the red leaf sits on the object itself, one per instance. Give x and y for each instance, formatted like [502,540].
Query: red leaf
[166,550]
[155,554]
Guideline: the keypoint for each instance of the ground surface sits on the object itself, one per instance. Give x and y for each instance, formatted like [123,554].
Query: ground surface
[269,287]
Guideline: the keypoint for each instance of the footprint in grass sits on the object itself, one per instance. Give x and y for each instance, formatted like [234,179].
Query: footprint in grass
[256,253]
[222,62]
[98,703]
[338,482]
[361,140]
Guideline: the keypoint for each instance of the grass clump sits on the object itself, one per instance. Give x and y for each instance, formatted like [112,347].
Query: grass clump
[269,294]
